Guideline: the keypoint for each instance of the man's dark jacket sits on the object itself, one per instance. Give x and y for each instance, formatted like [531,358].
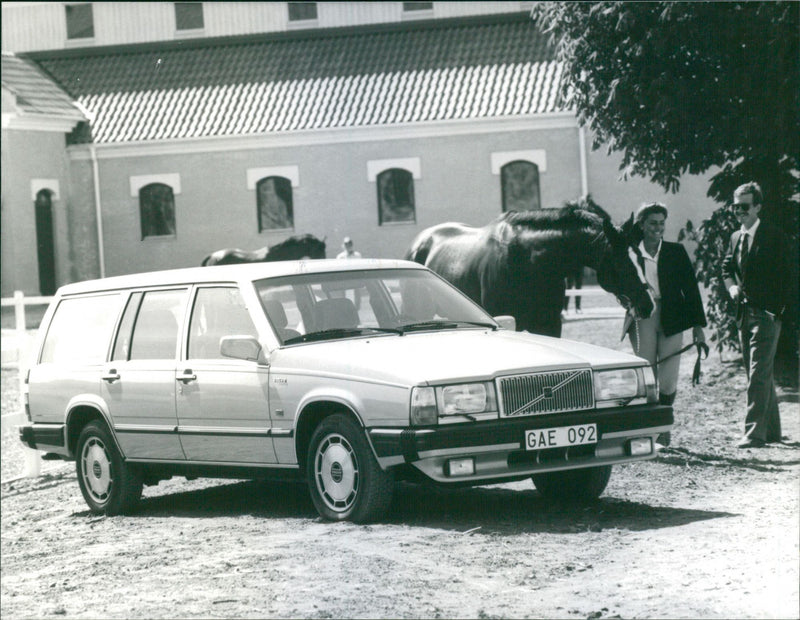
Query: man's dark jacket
[769,277]
[681,305]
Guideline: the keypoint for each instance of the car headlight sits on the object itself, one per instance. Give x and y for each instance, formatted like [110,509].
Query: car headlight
[617,384]
[465,399]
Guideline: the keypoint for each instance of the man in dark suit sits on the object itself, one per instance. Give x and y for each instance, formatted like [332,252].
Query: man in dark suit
[760,276]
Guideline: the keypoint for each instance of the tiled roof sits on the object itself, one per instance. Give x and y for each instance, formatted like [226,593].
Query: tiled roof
[36,94]
[345,78]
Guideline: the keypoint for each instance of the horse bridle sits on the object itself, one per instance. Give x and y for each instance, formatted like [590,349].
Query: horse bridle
[595,249]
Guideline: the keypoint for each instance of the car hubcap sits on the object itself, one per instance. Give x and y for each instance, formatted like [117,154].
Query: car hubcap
[336,473]
[96,470]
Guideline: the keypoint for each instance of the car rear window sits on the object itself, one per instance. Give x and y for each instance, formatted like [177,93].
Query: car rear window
[81,330]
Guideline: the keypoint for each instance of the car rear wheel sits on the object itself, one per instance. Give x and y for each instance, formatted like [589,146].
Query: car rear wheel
[345,480]
[108,484]
[574,485]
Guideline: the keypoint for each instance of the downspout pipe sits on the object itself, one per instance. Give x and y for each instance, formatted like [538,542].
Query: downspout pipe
[584,163]
[98,210]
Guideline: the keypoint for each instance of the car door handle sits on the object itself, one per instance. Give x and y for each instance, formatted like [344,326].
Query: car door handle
[111,376]
[187,376]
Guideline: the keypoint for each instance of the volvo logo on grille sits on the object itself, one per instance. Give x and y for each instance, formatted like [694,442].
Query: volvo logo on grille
[569,390]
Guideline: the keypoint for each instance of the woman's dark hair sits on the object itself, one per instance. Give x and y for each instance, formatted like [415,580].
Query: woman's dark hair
[647,209]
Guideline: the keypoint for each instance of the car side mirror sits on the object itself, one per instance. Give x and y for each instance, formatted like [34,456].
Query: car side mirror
[506,322]
[242,348]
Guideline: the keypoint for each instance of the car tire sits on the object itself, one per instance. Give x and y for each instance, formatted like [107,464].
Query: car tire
[344,478]
[574,485]
[109,485]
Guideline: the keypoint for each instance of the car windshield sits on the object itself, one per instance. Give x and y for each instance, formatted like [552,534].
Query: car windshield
[332,305]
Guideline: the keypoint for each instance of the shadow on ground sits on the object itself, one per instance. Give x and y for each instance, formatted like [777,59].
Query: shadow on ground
[494,510]
[773,457]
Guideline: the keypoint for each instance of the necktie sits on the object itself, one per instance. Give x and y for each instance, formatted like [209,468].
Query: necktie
[744,251]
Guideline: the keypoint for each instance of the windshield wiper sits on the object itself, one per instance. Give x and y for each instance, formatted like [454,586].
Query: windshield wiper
[339,332]
[443,324]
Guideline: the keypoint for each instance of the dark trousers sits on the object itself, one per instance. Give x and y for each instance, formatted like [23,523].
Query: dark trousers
[574,281]
[759,332]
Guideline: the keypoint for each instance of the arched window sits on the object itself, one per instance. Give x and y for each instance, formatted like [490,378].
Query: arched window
[274,201]
[157,210]
[520,183]
[45,241]
[396,196]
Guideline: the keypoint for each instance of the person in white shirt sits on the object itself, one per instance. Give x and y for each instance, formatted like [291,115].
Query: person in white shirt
[347,250]
[678,305]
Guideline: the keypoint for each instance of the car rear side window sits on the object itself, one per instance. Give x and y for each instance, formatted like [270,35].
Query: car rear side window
[81,330]
[155,333]
[218,312]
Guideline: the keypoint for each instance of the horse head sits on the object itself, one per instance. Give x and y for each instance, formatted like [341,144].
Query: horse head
[318,248]
[313,247]
[296,248]
[631,232]
[618,274]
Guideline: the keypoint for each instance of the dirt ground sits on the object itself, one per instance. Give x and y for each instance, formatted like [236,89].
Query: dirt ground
[704,531]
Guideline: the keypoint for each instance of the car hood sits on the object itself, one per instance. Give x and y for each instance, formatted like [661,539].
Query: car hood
[438,357]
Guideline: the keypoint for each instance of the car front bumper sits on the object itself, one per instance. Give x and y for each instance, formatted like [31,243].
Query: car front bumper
[497,448]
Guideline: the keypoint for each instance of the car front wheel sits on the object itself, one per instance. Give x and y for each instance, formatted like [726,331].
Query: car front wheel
[108,484]
[574,485]
[345,480]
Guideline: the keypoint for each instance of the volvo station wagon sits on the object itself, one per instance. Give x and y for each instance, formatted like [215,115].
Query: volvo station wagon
[348,375]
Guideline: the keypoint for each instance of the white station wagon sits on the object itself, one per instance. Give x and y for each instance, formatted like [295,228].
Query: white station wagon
[347,374]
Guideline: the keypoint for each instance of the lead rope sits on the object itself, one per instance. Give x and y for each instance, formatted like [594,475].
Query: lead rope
[634,257]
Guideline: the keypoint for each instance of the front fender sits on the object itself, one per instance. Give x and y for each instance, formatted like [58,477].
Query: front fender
[348,399]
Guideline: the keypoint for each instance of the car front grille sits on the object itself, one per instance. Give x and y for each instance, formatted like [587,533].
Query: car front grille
[546,392]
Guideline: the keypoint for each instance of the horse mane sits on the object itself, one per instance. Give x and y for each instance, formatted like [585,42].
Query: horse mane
[586,203]
[574,215]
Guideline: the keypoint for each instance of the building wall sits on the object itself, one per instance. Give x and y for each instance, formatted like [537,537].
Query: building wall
[334,198]
[36,26]
[29,155]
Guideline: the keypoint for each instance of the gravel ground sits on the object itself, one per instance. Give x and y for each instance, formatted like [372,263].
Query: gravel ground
[703,531]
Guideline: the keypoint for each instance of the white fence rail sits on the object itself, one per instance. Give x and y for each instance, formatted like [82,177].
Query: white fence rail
[19,301]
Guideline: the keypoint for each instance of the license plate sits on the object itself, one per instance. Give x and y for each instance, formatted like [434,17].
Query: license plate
[561,437]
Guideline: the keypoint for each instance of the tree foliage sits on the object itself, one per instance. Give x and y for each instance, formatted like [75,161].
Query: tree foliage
[684,87]
[712,239]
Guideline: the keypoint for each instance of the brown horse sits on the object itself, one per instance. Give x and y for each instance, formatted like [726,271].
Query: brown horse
[293,248]
[517,264]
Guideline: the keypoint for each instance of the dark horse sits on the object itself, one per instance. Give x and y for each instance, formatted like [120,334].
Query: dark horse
[294,248]
[517,264]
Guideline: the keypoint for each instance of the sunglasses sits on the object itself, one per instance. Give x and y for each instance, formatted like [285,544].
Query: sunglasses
[744,207]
